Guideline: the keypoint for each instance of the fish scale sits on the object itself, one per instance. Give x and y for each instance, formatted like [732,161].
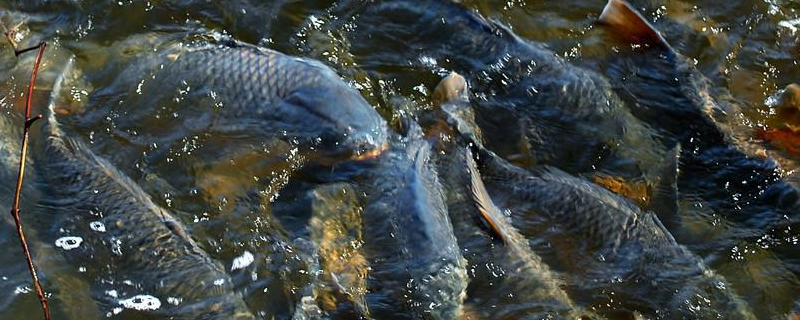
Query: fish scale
[621,241]
[140,242]
[416,262]
[238,89]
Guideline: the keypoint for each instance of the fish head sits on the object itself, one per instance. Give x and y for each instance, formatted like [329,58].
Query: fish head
[338,121]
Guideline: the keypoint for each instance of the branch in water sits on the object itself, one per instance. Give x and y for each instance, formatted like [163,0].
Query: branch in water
[27,126]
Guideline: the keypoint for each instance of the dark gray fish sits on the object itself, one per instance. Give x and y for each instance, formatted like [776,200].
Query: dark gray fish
[528,278]
[618,245]
[665,90]
[522,285]
[135,250]
[238,90]
[569,115]
[418,271]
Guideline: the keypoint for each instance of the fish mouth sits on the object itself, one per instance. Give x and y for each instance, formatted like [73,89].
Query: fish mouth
[370,153]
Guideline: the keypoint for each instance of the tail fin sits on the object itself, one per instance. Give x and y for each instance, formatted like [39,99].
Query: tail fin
[630,25]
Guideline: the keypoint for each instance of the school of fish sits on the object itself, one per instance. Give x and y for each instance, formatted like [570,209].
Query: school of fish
[276,185]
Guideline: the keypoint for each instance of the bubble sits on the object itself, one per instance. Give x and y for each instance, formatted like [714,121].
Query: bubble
[97,226]
[141,302]
[69,242]
[242,261]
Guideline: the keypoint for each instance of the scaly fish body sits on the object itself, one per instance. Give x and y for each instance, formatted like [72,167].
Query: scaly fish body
[239,90]
[618,245]
[666,91]
[569,115]
[413,253]
[132,248]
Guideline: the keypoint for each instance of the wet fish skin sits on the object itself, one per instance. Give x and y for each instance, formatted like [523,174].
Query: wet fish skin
[537,290]
[238,88]
[415,259]
[633,244]
[666,91]
[568,114]
[125,236]
[532,281]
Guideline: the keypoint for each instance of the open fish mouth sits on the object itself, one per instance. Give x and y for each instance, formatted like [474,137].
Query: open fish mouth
[371,153]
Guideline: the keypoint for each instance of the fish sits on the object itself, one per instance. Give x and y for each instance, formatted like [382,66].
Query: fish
[239,91]
[135,251]
[569,115]
[535,286]
[417,269]
[665,90]
[337,231]
[633,246]
[617,245]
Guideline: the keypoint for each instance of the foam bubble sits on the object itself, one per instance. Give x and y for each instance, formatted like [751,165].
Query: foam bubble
[141,302]
[69,242]
[97,226]
[243,261]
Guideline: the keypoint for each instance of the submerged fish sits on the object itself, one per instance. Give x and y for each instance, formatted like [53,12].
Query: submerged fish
[135,250]
[639,259]
[521,279]
[337,231]
[570,116]
[417,270]
[531,282]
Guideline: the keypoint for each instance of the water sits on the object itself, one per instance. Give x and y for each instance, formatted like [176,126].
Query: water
[254,198]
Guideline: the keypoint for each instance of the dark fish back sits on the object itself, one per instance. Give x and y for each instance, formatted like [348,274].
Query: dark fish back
[415,258]
[108,225]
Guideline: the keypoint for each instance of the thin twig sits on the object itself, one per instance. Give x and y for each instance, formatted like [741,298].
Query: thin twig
[15,208]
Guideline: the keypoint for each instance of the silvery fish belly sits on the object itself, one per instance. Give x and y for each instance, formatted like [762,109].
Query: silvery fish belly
[616,246]
[417,270]
[530,103]
[238,92]
[137,253]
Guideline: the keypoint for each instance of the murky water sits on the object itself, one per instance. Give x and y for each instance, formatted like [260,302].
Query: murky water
[256,203]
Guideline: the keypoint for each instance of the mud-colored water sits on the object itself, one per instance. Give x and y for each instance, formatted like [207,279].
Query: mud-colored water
[246,201]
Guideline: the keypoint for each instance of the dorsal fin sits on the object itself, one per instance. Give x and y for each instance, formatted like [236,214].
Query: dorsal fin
[630,25]
[665,193]
[490,213]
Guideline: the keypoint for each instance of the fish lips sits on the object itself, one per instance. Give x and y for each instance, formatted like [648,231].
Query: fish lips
[352,144]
